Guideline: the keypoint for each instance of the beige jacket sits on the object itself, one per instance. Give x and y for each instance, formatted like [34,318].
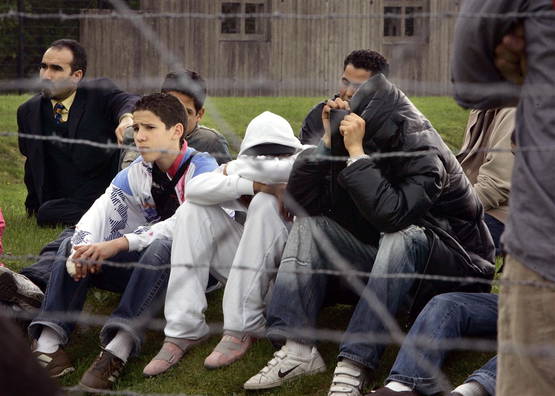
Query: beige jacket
[490,172]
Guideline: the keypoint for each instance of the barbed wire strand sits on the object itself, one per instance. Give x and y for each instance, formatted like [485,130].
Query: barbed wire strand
[372,156]
[321,334]
[133,15]
[300,271]
[500,90]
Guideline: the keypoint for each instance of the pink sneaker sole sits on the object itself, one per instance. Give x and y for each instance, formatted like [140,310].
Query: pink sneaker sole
[229,350]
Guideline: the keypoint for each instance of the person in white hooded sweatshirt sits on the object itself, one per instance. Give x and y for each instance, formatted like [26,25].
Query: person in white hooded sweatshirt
[245,255]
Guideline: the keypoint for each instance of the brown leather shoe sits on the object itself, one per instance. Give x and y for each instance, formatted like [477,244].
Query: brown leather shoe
[57,364]
[103,373]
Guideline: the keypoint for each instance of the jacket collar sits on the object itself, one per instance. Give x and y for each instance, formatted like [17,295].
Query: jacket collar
[377,101]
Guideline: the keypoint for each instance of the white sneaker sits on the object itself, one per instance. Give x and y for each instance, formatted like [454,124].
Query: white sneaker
[18,289]
[285,367]
[348,380]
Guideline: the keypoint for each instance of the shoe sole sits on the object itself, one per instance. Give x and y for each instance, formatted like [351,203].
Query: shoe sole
[89,389]
[215,367]
[199,341]
[9,292]
[162,372]
[283,380]
[65,371]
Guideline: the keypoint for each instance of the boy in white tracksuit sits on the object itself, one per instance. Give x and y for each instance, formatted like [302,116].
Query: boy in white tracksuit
[220,245]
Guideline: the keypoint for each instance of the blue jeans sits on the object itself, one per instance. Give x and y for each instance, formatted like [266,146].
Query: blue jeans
[447,316]
[496,229]
[297,298]
[143,291]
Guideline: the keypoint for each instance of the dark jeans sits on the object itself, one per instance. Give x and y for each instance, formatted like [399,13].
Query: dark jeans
[496,229]
[64,211]
[143,292]
[446,316]
[39,272]
[298,297]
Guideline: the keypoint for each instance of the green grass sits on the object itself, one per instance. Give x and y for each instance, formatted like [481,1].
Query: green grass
[22,237]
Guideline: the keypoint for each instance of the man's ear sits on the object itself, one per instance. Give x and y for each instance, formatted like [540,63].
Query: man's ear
[178,131]
[201,114]
[78,75]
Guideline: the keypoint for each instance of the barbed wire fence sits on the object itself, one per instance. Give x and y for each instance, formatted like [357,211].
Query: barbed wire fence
[355,278]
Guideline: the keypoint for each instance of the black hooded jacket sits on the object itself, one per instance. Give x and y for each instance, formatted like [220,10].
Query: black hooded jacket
[388,194]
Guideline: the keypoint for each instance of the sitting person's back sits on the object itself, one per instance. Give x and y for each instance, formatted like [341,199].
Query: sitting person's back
[487,161]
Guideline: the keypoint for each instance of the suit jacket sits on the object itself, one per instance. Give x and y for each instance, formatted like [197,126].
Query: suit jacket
[94,115]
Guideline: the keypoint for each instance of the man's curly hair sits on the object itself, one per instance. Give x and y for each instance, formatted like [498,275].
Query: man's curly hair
[369,60]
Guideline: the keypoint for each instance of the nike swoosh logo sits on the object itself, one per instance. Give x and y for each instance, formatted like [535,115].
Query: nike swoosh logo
[282,374]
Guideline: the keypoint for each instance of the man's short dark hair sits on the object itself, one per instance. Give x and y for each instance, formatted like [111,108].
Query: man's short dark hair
[79,53]
[188,83]
[167,107]
[369,60]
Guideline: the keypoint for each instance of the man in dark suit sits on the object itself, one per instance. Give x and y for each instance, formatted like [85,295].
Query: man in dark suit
[64,179]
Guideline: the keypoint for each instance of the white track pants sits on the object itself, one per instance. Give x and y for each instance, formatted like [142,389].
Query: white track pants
[205,241]
[260,250]
[210,241]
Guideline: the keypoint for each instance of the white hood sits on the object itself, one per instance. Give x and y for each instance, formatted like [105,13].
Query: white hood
[269,128]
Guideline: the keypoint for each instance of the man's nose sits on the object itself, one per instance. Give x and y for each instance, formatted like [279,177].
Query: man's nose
[45,74]
[140,135]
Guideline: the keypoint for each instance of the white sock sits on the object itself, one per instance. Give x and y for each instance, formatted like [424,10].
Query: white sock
[398,387]
[49,341]
[298,349]
[471,388]
[121,345]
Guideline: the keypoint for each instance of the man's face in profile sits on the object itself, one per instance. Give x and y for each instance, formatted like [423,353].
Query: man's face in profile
[351,79]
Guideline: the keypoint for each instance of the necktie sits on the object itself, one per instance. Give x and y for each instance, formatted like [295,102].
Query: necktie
[58,108]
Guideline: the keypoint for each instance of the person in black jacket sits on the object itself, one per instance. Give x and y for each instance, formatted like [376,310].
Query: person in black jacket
[413,212]
[358,67]
[62,179]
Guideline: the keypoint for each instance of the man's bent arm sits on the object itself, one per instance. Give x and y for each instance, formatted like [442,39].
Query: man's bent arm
[393,207]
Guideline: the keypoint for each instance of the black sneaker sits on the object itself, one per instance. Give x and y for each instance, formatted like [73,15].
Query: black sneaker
[103,373]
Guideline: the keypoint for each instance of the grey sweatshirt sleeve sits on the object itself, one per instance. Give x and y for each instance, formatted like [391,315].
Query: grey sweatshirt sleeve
[477,83]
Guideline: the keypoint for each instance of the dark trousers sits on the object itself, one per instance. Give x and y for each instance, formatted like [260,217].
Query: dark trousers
[64,211]
[496,229]
[39,272]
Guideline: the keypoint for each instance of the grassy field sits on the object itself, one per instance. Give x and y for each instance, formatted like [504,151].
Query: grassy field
[23,237]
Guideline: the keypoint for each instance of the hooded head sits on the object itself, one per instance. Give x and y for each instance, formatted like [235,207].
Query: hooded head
[269,134]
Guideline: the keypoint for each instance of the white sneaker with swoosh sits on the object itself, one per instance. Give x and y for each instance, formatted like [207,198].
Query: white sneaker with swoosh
[284,367]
